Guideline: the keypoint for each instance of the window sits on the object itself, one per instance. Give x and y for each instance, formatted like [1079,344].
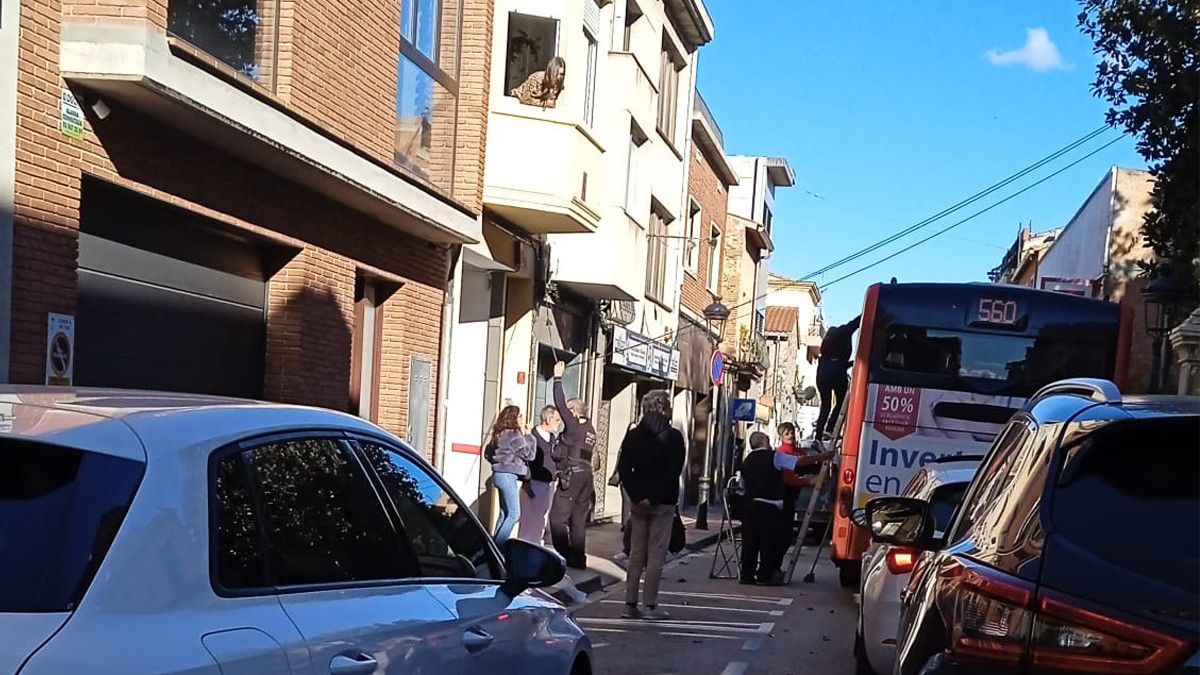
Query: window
[427,91]
[240,555]
[714,257]
[767,218]
[322,521]
[632,14]
[656,257]
[1139,512]
[691,244]
[446,540]
[632,162]
[589,92]
[239,33]
[368,340]
[668,90]
[992,479]
[532,43]
[59,512]
[942,502]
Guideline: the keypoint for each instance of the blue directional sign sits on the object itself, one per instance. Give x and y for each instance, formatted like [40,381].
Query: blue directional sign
[743,409]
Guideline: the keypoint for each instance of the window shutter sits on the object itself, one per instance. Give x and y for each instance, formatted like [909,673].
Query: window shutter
[591,17]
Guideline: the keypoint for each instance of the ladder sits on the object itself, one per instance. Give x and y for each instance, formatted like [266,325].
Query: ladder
[825,473]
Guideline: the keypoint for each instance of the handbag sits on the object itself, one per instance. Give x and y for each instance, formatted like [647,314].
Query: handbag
[678,535]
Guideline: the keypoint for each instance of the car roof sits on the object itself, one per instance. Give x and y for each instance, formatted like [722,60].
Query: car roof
[133,424]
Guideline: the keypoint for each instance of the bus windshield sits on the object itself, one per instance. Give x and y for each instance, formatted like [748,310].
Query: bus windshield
[1024,361]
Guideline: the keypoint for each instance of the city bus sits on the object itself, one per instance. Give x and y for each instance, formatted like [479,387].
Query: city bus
[940,368]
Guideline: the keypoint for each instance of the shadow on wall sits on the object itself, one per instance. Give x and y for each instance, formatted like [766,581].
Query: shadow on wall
[308,349]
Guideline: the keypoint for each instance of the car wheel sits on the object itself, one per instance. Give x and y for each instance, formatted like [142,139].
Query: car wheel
[581,666]
[849,574]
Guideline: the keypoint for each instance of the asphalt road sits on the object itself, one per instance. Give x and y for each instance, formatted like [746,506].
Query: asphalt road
[719,627]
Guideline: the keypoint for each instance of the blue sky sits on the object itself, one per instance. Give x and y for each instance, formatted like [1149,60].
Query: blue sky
[892,111]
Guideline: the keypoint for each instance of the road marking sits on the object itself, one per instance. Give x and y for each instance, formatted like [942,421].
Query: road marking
[703,635]
[752,645]
[715,626]
[771,612]
[728,596]
[735,668]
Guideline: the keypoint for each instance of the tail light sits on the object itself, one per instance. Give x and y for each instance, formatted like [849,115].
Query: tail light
[901,560]
[845,494]
[997,621]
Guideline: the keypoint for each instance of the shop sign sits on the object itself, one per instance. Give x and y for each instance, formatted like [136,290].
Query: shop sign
[637,352]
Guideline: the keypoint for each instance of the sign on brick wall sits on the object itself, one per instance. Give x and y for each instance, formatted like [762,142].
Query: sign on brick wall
[70,120]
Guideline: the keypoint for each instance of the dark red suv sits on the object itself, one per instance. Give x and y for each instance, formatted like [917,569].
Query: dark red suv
[1076,548]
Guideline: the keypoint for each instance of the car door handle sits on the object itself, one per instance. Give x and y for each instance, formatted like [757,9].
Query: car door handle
[351,663]
[477,639]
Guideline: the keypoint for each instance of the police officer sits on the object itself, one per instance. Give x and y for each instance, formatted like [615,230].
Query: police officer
[576,494]
[765,527]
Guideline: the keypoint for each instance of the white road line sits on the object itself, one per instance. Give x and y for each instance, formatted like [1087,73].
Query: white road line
[735,668]
[715,626]
[703,635]
[729,596]
[752,645]
[772,612]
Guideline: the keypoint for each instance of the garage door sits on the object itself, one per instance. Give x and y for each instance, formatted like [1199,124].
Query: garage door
[166,300]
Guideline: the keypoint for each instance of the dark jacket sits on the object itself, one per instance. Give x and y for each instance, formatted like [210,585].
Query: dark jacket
[651,461]
[577,443]
[837,344]
[512,452]
[761,478]
[542,467]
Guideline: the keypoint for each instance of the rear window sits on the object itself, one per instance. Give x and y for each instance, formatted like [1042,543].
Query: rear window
[59,511]
[1130,494]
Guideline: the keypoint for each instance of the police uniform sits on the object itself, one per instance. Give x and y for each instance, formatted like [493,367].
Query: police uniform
[576,494]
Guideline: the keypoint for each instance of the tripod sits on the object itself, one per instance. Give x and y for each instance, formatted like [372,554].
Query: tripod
[727,557]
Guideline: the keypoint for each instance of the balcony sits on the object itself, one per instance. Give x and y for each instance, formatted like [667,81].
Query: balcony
[542,173]
[752,351]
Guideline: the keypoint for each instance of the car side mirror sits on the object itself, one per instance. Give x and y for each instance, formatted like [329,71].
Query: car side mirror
[900,521]
[530,566]
[859,518]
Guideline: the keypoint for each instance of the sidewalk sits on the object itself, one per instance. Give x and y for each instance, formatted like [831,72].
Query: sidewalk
[604,542]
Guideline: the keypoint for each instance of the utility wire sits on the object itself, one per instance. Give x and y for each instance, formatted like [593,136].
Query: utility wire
[960,205]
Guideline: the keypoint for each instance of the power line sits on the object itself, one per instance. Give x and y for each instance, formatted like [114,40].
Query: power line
[973,215]
[962,204]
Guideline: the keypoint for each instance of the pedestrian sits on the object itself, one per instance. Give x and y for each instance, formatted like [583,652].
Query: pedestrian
[836,350]
[792,484]
[650,464]
[765,528]
[538,490]
[571,508]
[510,450]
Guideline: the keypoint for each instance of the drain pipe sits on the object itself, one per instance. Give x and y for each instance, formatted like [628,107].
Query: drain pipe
[443,378]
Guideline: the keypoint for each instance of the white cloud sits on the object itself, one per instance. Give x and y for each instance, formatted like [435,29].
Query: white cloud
[1039,53]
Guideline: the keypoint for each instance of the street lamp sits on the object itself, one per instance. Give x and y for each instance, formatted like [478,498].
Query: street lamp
[1160,298]
[715,316]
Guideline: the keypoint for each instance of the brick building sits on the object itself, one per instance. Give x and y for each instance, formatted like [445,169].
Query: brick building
[262,200]
[709,179]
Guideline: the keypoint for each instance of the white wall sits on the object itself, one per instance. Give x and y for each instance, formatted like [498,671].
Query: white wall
[468,347]
[1080,250]
[10,13]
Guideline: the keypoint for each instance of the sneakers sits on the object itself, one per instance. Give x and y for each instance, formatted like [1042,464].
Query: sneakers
[577,596]
[656,614]
[631,612]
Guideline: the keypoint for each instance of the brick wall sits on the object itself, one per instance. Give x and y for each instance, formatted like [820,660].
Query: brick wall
[711,193]
[338,68]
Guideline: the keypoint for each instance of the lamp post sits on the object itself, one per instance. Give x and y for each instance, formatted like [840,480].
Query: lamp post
[1160,298]
[715,316]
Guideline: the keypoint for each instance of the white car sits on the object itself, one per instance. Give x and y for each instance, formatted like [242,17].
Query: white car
[885,568]
[170,533]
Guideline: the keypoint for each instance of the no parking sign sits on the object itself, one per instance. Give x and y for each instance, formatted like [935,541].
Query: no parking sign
[60,350]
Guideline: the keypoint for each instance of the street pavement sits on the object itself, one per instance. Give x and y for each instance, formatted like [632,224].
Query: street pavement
[719,627]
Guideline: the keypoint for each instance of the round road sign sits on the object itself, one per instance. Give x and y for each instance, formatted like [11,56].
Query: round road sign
[716,368]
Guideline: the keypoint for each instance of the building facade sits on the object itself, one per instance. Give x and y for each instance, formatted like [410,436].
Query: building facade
[792,362]
[235,203]
[1020,264]
[584,210]
[1097,255]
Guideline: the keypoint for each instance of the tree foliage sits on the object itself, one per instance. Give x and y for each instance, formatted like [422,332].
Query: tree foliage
[1149,72]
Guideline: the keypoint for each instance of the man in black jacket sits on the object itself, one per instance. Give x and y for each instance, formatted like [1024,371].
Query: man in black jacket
[765,526]
[576,493]
[651,461]
[836,352]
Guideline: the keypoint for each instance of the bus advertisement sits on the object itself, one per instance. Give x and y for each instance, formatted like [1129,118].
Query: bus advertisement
[939,370]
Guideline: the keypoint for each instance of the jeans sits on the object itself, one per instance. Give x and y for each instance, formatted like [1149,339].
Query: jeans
[650,536]
[510,504]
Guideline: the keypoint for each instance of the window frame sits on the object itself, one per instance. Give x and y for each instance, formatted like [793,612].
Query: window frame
[347,441]
[591,76]
[657,252]
[715,255]
[556,48]
[670,67]
[627,29]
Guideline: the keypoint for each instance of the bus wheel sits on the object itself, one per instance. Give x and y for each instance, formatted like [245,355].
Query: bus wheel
[849,574]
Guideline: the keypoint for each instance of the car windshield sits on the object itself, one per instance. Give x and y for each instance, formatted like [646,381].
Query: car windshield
[943,502]
[59,511]
[1128,493]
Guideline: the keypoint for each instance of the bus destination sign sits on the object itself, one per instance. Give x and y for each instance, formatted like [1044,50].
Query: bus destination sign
[997,313]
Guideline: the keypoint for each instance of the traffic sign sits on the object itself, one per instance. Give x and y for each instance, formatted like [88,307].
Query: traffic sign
[60,350]
[716,368]
[743,409]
